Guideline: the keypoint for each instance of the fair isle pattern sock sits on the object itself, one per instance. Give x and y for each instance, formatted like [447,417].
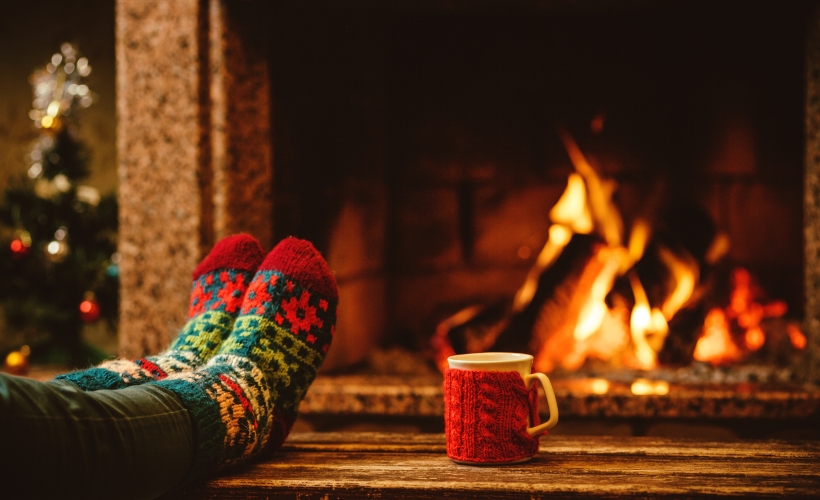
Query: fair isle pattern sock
[245,399]
[219,286]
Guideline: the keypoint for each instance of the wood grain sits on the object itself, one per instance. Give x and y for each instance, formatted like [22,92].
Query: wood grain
[368,465]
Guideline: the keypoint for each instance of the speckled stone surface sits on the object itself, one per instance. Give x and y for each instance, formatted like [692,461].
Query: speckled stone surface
[194,154]
[811,207]
[423,397]
[158,142]
[241,127]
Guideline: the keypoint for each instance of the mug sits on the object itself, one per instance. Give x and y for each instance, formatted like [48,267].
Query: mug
[491,408]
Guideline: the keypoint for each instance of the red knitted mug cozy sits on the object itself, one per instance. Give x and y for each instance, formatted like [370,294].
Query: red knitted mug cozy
[485,416]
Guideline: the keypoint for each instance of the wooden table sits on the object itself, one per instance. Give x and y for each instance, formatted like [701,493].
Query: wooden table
[369,465]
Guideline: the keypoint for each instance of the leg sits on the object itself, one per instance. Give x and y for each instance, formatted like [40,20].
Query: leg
[58,441]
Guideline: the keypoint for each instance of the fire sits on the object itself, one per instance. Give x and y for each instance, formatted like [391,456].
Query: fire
[796,337]
[587,205]
[685,273]
[594,315]
[645,321]
[594,309]
[571,210]
[716,345]
[644,387]
[745,310]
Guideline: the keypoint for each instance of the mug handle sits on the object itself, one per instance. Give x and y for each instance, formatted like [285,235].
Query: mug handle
[553,405]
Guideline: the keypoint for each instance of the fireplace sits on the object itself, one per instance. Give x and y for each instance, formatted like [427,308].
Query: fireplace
[420,150]
[420,147]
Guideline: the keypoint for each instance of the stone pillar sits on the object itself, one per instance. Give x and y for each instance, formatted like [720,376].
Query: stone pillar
[182,167]
[241,126]
[811,208]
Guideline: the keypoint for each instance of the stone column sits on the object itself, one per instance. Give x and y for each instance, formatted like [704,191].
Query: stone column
[811,207]
[241,125]
[182,167]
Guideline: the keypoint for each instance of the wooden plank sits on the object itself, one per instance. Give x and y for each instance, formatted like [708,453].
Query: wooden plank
[594,445]
[399,466]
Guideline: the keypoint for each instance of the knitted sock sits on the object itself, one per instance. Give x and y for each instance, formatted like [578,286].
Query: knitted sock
[219,286]
[245,399]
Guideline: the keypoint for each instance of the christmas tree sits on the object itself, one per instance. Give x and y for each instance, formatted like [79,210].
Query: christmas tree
[58,257]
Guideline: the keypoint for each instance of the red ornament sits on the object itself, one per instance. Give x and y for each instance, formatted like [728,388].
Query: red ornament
[89,310]
[19,248]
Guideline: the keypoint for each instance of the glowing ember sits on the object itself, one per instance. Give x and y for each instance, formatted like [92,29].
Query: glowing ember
[796,337]
[745,310]
[644,387]
[599,386]
[755,338]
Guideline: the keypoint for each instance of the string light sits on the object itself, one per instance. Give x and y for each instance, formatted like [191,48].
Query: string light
[58,88]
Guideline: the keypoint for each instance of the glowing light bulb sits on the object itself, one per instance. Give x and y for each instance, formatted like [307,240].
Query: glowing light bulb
[53,247]
[53,108]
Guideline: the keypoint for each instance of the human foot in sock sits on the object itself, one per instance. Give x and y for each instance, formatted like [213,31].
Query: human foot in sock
[246,397]
[219,286]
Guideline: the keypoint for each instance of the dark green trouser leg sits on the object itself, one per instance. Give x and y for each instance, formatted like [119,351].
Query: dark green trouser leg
[57,441]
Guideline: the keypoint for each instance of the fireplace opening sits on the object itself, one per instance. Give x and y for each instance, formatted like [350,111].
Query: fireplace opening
[424,151]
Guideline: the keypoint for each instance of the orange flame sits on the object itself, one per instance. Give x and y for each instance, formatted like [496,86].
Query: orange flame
[685,272]
[796,337]
[716,345]
[643,323]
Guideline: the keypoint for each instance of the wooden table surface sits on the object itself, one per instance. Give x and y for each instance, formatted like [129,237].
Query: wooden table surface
[370,465]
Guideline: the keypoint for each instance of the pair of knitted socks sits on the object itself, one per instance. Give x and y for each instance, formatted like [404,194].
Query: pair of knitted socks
[258,330]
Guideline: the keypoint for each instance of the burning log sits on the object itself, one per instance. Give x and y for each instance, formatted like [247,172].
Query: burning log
[590,295]
[499,327]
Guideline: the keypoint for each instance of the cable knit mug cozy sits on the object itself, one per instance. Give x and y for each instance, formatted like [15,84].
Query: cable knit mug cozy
[491,408]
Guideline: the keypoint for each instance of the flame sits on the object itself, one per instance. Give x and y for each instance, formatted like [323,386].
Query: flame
[754,338]
[747,311]
[685,273]
[582,324]
[716,345]
[637,243]
[796,337]
[572,210]
[607,218]
[594,309]
[571,216]
[643,322]
[559,236]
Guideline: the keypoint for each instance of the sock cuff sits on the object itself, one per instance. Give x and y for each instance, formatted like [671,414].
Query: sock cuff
[300,261]
[240,251]
[93,379]
[206,421]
